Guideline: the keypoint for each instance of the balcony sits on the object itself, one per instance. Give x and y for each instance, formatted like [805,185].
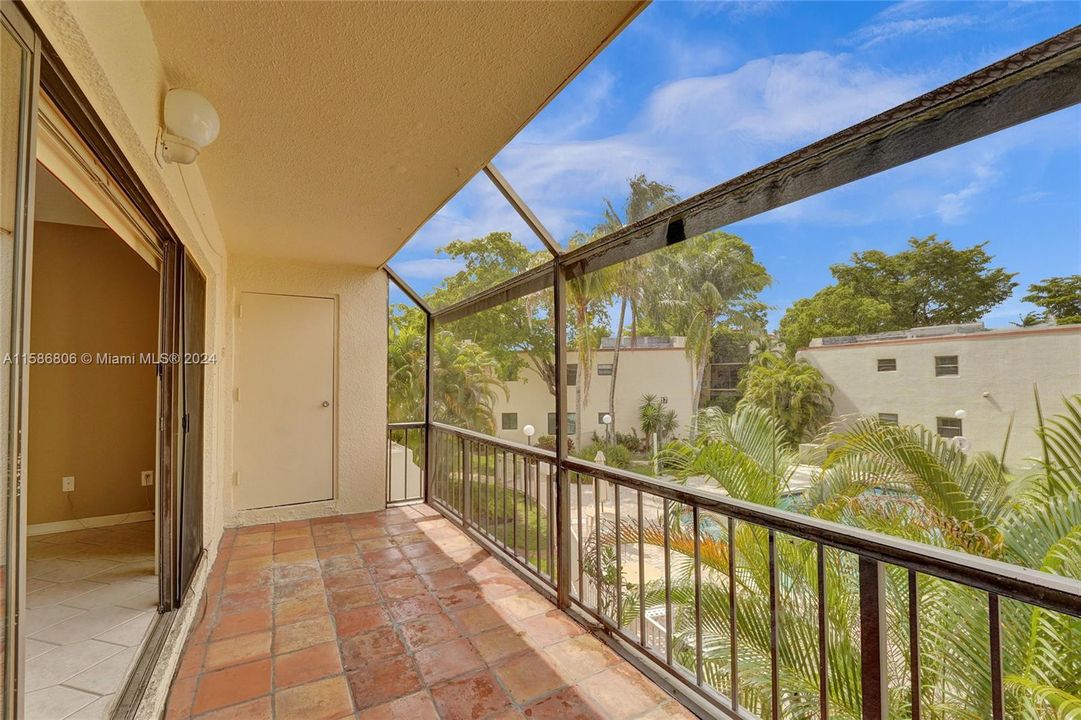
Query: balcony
[391,614]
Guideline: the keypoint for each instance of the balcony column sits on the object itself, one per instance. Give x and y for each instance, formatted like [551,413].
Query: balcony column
[429,332]
[873,680]
[563,545]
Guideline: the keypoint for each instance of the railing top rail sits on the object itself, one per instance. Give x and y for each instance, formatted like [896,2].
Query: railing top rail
[539,453]
[406,425]
[1030,586]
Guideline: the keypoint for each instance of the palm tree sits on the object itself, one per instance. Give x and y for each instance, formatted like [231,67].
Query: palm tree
[702,283]
[646,197]
[793,390]
[464,383]
[905,481]
[587,297]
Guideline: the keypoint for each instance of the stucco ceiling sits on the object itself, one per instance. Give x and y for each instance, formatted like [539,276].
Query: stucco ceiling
[346,125]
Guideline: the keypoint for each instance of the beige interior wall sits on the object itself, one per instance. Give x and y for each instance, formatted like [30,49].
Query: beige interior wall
[361,403]
[91,294]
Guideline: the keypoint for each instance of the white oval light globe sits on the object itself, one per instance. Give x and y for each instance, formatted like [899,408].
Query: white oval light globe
[960,414]
[190,116]
[529,430]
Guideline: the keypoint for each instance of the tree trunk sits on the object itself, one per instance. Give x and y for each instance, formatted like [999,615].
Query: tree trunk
[610,431]
[700,372]
[578,411]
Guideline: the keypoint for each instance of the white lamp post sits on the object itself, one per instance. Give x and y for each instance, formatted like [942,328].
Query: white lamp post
[529,430]
[607,420]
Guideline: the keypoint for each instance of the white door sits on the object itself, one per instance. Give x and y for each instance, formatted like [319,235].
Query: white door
[285,400]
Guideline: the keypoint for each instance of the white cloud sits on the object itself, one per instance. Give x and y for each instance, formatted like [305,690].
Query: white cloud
[884,31]
[695,132]
[954,206]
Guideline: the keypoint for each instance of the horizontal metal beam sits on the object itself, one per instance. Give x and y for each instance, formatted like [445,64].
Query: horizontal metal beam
[531,450]
[410,292]
[527,283]
[523,210]
[1042,79]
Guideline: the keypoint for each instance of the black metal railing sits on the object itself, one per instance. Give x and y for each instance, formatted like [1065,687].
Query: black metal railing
[503,491]
[406,459]
[695,586]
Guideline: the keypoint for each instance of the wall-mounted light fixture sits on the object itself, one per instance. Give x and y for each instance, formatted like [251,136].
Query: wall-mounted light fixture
[191,123]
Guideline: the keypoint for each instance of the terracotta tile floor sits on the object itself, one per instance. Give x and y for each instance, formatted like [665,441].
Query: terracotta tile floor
[393,614]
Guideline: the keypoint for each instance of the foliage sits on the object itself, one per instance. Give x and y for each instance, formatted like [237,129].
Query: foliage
[615,456]
[833,311]
[793,390]
[512,329]
[654,419]
[405,363]
[1059,297]
[709,281]
[929,283]
[629,278]
[548,442]
[631,441]
[905,481]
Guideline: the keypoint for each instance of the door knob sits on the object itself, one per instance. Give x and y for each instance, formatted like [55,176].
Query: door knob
[326,403]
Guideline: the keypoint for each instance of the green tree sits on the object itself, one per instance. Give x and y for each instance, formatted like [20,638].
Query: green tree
[794,391]
[587,304]
[514,333]
[644,198]
[654,419]
[405,363]
[929,283]
[831,312]
[1058,297]
[465,383]
[698,285]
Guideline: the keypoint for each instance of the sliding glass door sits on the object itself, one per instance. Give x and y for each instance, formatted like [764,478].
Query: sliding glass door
[18,83]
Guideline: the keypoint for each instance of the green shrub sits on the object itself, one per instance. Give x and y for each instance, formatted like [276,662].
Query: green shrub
[548,442]
[615,456]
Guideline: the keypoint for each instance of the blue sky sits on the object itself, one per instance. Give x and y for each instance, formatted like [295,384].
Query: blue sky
[692,94]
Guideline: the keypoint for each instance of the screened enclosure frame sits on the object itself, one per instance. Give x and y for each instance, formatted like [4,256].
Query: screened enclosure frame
[1037,81]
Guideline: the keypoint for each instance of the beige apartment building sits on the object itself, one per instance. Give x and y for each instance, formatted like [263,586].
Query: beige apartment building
[959,380]
[654,366]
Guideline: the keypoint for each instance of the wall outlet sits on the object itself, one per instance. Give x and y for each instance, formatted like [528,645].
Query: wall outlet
[67,483]
[146,478]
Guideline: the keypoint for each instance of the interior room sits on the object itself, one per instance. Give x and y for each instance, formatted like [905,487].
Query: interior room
[92,589]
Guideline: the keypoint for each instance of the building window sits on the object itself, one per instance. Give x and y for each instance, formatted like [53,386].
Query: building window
[572,425]
[888,418]
[949,427]
[572,374]
[946,365]
[604,368]
[510,421]
[600,418]
[887,364]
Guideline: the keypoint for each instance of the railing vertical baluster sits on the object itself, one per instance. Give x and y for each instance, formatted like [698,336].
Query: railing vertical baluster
[537,505]
[994,628]
[823,637]
[668,624]
[503,501]
[405,467]
[389,457]
[526,464]
[619,561]
[553,511]
[641,574]
[732,639]
[598,579]
[774,620]
[467,475]
[514,504]
[914,642]
[873,620]
[581,564]
[697,596]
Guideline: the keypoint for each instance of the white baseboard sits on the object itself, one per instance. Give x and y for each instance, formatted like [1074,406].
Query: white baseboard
[90,522]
